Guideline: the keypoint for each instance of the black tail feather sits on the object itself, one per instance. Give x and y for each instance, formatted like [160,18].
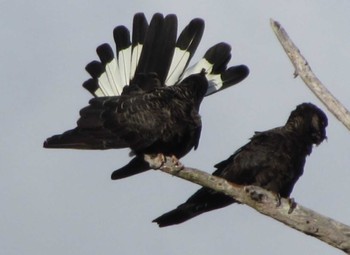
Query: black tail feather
[121,37]
[136,166]
[176,216]
[234,75]
[150,45]
[105,53]
[159,46]
[139,29]
[95,69]
[191,36]
[186,46]
[218,55]
[204,200]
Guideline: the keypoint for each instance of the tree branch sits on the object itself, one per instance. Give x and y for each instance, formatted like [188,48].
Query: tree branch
[302,68]
[286,211]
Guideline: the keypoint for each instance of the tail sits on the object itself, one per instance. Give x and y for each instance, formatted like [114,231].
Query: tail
[214,63]
[179,215]
[135,166]
[155,49]
[204,200]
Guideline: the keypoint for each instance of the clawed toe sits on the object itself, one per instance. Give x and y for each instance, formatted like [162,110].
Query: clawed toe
[292,205]
[176,163]
[155,161]
[173,163]
[278,200]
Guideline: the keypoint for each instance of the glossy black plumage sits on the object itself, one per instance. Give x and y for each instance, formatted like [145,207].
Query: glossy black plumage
[273,160]
[145,98]
[163,120]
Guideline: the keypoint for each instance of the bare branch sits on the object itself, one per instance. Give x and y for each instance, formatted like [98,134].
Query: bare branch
[302,68]
[286,211]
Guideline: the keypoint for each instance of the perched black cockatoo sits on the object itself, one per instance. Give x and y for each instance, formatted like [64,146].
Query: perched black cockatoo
[145,98]
[273,159]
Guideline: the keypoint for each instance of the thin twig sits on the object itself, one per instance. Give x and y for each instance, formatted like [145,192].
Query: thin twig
[303,69]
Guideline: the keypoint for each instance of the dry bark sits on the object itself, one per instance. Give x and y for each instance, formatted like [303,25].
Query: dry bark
[303,69]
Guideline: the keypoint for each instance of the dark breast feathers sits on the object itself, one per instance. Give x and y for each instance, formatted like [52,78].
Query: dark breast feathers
[273,160]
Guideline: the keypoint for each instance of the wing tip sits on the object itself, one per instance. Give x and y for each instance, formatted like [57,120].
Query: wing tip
[160,223]
[135,166]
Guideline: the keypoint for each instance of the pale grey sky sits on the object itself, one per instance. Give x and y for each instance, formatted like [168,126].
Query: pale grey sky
[63,201]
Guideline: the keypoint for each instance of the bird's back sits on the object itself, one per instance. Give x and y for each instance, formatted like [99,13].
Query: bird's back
[273,159]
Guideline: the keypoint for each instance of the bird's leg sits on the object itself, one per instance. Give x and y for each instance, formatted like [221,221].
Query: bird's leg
[278,200]
[292,205]
[155,161]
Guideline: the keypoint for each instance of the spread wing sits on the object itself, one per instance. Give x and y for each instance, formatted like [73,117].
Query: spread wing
[118,122]
[161,117]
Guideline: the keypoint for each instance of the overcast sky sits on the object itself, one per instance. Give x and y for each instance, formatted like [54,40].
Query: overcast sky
[58,202]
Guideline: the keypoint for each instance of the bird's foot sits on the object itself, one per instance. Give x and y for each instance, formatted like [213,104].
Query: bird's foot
[278,200]
[176,163]
[292,205]
[254,193]
[155,161]
[173,163]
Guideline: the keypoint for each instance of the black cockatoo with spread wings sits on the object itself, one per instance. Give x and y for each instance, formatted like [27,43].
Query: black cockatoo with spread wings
[146,98]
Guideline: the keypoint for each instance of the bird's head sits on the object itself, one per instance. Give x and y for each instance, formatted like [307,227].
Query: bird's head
[196,86]
[310,121]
